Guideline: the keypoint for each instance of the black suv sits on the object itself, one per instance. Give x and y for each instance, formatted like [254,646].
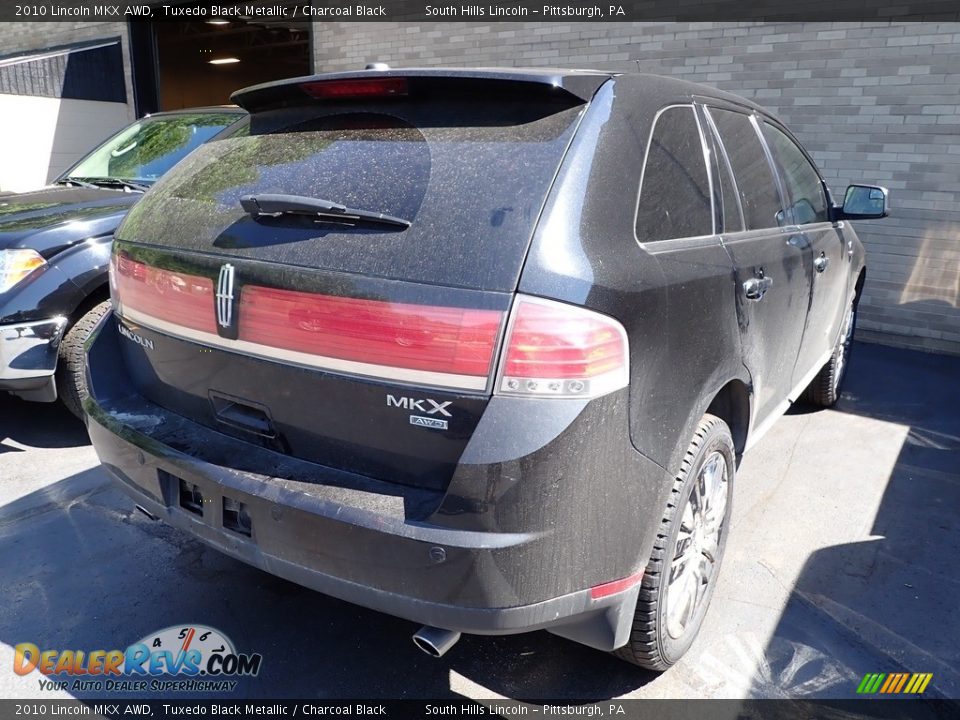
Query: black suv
[480,349]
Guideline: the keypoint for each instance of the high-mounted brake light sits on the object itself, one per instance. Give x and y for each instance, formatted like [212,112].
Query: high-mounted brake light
[558,350]
[353,89]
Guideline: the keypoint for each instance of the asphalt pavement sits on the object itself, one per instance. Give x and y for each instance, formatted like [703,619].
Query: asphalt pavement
[843,559]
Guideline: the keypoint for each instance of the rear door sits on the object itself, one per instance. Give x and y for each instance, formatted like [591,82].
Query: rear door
[829,266]
[362,345]
[770,260]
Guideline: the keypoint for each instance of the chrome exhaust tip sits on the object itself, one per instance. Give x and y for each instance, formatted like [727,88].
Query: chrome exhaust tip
[146,512]
[435,642]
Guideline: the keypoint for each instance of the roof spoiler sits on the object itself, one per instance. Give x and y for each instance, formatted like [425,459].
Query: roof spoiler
[575,85]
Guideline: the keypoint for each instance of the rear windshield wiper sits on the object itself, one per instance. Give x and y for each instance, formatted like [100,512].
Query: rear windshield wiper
[272,205]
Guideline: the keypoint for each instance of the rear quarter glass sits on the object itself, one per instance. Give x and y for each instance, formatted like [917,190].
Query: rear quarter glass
[471,177]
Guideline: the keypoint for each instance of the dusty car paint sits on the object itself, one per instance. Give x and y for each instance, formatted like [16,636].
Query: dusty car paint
[513,516]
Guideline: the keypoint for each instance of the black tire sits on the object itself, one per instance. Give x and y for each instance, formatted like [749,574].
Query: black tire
[71,379]
[824,390]
[651,644]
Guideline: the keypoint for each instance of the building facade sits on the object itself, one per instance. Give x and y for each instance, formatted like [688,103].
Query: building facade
[873,102]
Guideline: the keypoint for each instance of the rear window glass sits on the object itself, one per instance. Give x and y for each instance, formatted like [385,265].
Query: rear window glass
[470,177]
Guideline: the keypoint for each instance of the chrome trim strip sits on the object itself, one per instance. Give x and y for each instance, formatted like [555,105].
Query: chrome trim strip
[725,159]
[319,362]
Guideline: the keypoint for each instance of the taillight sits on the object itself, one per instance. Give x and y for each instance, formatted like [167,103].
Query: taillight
[355,89]
[419,343]
[554,349]
[169,296]
[551,349]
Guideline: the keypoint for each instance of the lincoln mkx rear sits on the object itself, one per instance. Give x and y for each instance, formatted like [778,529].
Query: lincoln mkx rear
[414,343]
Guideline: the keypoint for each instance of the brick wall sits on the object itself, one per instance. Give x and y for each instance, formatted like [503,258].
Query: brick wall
[873,102]
[28,37]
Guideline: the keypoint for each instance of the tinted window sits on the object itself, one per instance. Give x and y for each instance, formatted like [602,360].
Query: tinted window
[808,204]
[732,217]
[470,175]
[675,195]
[755,182]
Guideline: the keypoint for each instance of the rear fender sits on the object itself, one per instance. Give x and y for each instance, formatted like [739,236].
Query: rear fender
[716,396]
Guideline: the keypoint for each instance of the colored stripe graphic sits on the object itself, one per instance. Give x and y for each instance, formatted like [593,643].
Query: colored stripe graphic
[918,683]
[903,681]
[894,683]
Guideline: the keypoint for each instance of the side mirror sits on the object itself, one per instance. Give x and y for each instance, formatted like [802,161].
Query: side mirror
[864,202]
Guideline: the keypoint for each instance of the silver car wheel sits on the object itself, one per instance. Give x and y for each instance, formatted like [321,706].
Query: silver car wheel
[698,539]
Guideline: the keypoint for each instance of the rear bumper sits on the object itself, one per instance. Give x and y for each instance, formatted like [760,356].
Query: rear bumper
[404,551]
[282,528]
[329,546]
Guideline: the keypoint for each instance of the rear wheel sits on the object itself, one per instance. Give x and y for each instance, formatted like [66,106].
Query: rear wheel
[71,379]
[824,390]
[680,576]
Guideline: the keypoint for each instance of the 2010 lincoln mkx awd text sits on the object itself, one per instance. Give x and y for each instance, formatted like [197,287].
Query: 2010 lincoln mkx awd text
[479,349]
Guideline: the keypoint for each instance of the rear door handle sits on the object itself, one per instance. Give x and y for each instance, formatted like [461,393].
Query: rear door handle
[755,288]
[821,263]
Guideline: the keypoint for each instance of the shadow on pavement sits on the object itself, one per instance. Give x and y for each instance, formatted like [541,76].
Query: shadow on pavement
[82,570]
[888,604]
[42,425]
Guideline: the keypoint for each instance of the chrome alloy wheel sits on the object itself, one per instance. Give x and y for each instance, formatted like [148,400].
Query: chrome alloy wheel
[698,540]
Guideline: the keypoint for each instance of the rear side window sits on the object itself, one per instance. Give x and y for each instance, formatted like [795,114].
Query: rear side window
[675,191]
[808,204]
[759,197]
